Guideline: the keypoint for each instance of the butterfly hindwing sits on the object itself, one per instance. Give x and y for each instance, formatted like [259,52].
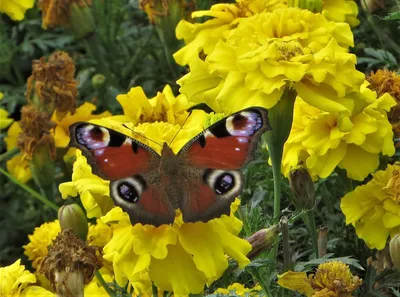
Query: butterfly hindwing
[219,153]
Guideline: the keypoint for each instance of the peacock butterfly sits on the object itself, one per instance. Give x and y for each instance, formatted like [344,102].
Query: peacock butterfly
[202,179]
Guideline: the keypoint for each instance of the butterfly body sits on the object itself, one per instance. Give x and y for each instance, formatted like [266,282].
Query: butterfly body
[201,180]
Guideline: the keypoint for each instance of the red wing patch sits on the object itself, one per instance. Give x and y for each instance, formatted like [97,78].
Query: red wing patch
[111,154]
[229,143]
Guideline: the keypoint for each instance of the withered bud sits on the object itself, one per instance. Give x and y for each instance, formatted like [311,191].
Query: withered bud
[394,249]
[302,188]
[70,264]
[262,240]
[72,217]
[52,86]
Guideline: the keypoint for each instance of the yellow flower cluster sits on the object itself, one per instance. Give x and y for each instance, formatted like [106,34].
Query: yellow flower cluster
[374,209]
[324,140]
[222,18]
[271,51]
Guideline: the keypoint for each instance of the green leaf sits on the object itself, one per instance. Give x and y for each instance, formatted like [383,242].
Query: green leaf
[392,16]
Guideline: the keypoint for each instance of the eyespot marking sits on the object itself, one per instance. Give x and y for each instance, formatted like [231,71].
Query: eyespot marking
[127,191]
[246,123]
[224,183]
[92,137]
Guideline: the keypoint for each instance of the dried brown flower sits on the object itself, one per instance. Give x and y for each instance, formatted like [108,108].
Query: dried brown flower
[385,81]
[53,84]
[70,264]
[36,127]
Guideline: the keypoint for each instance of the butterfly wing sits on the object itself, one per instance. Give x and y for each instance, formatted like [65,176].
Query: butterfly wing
[130,166]
[215,158]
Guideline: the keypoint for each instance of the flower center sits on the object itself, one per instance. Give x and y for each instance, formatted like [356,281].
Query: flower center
[289,49]
[393,186]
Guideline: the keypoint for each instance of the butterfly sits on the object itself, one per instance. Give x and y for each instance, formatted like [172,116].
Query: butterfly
[202,179]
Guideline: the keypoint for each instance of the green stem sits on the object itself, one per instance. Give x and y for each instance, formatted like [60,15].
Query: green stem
[260,279]
[104,284]
[154,289]
[309,220]
[9,154]
[285,242]
[280,118]
[30,191]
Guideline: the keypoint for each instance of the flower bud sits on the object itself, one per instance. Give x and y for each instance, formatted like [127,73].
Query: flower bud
[262,240]
[72,217]
[394,249]
[81,20]
[98,81]
[302,188]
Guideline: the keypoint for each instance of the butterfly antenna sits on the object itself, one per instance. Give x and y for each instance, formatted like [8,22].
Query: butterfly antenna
[184,122]
[141,135]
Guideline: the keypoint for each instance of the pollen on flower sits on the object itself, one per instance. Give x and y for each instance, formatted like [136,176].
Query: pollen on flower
[290,49]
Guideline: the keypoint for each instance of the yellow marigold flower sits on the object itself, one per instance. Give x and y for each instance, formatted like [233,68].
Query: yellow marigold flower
[4,120]
[202,37]
[265,54]
[332,279]
[322,141]
[93,191]
[41,238]
[341,11]
[239,290]
[16,9]
[374,209]
[17,166]
[164,107]
[15,281]
[194,253]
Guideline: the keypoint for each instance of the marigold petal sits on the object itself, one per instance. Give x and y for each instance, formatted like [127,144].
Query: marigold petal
[207,255]
[182,278]
[296,281]
[355,169]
